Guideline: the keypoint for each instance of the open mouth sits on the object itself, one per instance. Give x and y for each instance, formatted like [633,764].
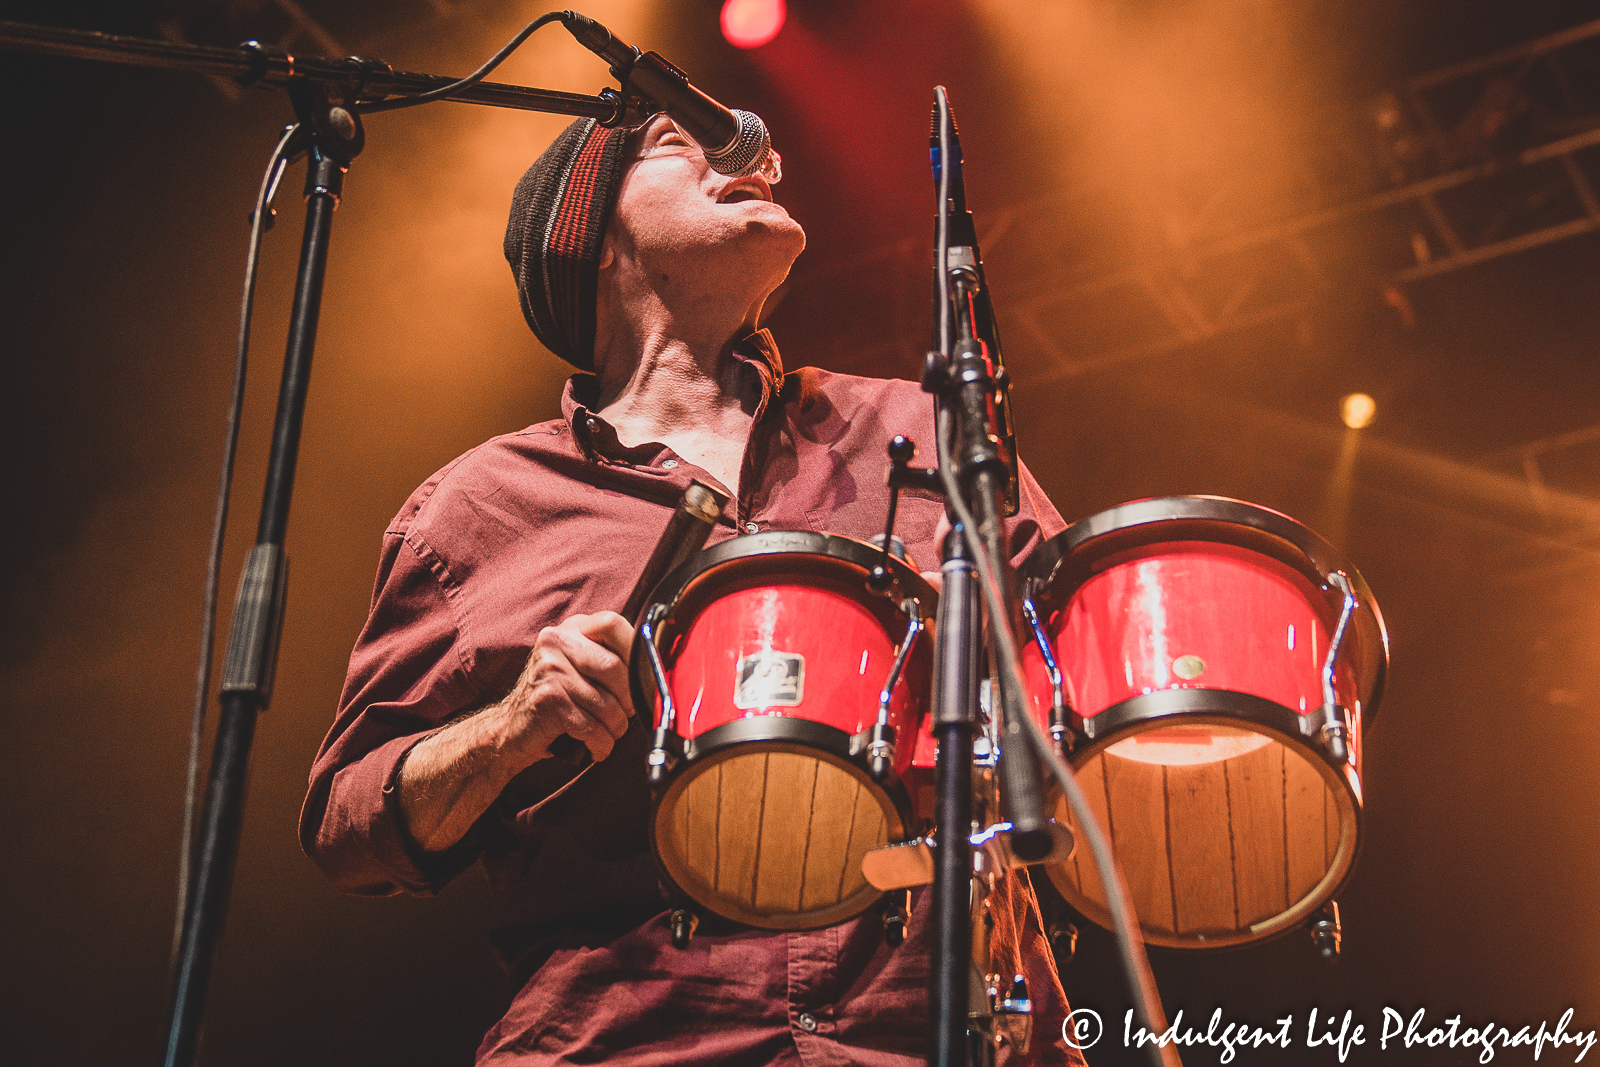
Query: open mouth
[739,192]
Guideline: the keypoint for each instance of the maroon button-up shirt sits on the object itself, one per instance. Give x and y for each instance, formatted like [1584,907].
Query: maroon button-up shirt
[559,519]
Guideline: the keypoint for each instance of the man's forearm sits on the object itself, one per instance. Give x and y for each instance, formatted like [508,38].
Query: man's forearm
[575,682]
[450,779]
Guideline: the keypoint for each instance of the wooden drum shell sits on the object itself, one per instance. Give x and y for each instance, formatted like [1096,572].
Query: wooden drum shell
[1191,634]
[765,818]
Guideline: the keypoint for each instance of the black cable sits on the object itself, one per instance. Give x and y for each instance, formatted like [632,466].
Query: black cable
[208,624]
[941,252]
[471,79]
[219,526]
[941,105]
[1129,942]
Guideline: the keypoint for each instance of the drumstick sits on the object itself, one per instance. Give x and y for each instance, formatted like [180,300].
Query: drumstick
[686,533]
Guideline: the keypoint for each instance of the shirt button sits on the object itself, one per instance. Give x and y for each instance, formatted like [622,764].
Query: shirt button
[808,1022]
[669,464]
[755,527]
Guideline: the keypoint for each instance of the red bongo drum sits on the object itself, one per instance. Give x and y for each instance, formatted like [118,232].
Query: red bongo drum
[793,695]
[1207,665]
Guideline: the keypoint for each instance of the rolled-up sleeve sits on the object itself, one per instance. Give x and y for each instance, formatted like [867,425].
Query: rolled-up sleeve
[408,678]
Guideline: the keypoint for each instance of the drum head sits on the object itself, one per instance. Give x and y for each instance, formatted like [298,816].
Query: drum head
[773,837]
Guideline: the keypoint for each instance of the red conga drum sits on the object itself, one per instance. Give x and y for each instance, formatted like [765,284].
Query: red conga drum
[1208,667]
[795,689]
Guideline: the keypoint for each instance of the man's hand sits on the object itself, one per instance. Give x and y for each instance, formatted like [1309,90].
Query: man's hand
[575,683]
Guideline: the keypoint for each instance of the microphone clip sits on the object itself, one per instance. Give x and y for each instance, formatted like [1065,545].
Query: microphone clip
[629,107]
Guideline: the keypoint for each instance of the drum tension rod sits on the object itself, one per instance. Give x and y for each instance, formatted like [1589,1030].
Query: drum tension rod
[902,450]
[1334,729]
[1058,702]
[667,747]
[881,738]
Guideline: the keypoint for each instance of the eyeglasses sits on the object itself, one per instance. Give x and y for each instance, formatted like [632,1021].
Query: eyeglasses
[771,167]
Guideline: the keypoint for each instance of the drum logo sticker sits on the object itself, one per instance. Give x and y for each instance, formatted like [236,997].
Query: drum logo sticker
[768,679]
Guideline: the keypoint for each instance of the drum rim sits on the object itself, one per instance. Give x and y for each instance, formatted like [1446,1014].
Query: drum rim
[774,544]
[1151,711]
[891,796]
[1044,564]
[907,582]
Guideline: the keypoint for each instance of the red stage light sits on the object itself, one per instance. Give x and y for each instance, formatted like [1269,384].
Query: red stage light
[751,23]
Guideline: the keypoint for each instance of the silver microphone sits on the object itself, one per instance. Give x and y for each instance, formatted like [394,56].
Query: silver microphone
[747,152]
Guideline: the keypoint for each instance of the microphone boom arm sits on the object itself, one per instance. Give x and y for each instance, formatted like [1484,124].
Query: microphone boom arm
[349,79]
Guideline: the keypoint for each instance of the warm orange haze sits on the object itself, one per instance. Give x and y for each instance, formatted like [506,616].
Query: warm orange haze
[1335,261]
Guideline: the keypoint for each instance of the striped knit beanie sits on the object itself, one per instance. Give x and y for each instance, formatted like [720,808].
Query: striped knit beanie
[559,215]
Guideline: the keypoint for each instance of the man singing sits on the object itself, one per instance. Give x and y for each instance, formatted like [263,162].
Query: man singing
[493,632]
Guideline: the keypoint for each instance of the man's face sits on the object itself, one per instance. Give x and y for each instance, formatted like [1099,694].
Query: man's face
[682,221]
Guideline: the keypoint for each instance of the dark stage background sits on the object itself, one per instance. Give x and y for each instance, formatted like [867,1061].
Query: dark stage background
[1115,147]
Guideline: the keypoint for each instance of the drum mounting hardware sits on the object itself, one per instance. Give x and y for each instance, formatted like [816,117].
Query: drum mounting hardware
[683,923]
[1326,932]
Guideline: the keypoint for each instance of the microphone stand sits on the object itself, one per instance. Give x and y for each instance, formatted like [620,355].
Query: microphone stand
[957,662]
[965,383]
[324,93]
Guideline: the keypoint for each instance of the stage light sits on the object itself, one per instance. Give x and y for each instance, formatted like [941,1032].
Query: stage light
[1358,410]
[751,23]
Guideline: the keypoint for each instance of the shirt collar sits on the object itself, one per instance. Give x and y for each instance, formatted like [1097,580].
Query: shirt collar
[758,352]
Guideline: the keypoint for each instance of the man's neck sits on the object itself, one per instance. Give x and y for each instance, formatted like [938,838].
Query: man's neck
[665,330]
[667,366]
[672,389]
[698,400]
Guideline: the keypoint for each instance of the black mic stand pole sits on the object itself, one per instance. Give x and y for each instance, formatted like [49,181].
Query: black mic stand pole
[332,137]
[324,93]
[958,656]
[963,380]
[983,478]
[959,987]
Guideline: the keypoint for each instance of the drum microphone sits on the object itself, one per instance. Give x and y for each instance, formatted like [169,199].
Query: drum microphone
[686,533]
[963,251]
[735,142]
